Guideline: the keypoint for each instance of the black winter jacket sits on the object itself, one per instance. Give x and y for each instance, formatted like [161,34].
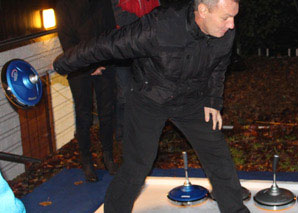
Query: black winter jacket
[173,61]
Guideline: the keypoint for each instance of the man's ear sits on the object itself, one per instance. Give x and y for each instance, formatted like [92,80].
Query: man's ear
[203,10]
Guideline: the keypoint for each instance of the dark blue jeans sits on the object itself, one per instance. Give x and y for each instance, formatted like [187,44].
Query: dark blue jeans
[144,121]
[82,90]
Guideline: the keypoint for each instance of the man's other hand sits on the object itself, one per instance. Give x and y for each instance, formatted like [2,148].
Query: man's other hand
[98,71]
[216,117]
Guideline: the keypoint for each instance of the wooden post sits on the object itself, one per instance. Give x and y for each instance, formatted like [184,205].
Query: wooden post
[37,131]
[289,52]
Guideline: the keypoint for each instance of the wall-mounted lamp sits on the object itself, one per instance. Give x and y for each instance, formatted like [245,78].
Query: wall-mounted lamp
[48,18]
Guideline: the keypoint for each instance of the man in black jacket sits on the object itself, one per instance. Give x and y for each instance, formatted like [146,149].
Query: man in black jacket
[80,20]
[180,55]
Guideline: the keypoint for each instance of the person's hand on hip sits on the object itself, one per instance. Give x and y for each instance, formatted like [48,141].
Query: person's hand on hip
[216,117]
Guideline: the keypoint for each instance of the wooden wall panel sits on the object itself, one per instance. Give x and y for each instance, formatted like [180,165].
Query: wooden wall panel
[37,132]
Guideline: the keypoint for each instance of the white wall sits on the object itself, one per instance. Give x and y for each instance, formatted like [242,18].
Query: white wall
[40,55]
[62,109]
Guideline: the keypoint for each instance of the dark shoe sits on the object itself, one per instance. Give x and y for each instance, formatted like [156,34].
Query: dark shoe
[87,167]
[89,171]
[109,163]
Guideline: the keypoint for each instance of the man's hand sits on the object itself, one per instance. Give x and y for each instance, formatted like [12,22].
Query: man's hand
[216,117]
[98,71]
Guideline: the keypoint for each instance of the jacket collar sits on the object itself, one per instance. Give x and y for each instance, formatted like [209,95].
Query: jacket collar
[192,26]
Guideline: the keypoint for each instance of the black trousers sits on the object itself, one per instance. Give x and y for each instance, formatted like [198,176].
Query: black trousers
[82,90]
[123,80]
[144,121]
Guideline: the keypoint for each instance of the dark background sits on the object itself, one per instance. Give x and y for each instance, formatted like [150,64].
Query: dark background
[260,24]
[269,24]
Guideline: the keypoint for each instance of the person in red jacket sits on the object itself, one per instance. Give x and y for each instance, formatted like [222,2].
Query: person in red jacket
[138,7]
[126,12]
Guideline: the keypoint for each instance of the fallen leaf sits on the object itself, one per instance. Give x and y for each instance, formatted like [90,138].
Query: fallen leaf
[78,182]
[45,203]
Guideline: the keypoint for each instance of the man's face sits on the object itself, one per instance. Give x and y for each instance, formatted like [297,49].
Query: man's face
[220,18]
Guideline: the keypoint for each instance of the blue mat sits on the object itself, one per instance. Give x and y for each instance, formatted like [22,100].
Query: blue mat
[66,197]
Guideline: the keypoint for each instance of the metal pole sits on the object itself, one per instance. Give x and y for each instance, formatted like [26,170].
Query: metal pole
[17,158]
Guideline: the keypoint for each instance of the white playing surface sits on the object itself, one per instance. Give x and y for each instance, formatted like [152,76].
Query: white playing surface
[153,198]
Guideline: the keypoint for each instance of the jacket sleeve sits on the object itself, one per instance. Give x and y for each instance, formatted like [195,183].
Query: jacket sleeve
[132,41]
[216,84]
[216,80]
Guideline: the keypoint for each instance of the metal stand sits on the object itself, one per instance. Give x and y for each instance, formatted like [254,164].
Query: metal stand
[274,198]
[187,194]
